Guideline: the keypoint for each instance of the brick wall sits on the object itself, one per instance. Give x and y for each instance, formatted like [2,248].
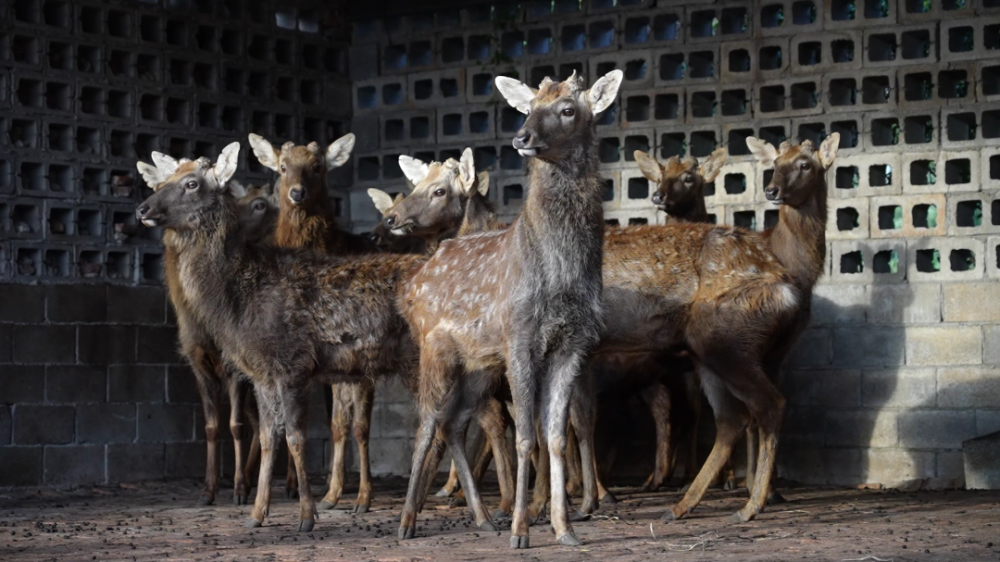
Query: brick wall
[901,362]
[91,387]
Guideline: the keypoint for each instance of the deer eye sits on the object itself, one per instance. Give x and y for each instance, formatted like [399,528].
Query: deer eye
[439,192]
[192,185]
[282,168]
[317,167]
[258,205]
[805,166]
[688,180]
[568,112]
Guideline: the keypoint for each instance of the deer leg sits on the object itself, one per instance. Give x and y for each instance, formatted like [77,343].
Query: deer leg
[418,470]
[574,477]
[434,457]
[692,387]
[451,485]
[291,479]
[237,393]
[583,414]
[207,379]
[731,418]
[521,376]
[540,493]
[270,433]
[364,397]
[751,457]
[340,422]
[560,387]
[494,428]
[295,405]
[253,456]
[455,424]
[484,454]
[657,397]
[767,406]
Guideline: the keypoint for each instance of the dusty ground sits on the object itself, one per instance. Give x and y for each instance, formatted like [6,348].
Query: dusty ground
[161,522]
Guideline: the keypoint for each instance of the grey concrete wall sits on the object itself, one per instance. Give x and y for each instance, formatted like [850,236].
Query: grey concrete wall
[91,387]
[901,362]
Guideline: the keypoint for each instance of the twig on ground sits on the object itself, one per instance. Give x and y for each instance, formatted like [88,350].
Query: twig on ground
[874,558]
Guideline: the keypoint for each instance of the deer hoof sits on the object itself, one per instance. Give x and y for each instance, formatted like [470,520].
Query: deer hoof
[306,525]
[206,500]
[252,523]
[729,485]
[569,539]
[240,499]
[406,533]
[577,515]
[775,498]
[443,493]
[488,526]
[669,516]
[457,501]
[519,542]
[361,508]
[500,514]
[609,499]
[739,517]
[326,505]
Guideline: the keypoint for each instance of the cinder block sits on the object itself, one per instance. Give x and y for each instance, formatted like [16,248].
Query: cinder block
[724,21]
[848,219]
[813,349]
[645,108]
[107,345]
[987,421]
[899,45]
[932,86]
[157,345]
[6,337]
[972,214]
[839,304]
[760,59]
[965,39]
[864,176]
[184,460]
[932,11]
[75,384]
[988,81]
[22,303]
[898,388]
[971,302]
[165,422]
[898,468]
[968,387]
[137,305]
[951,345]
[404,128]
[44,344]
[44,425]
[594,34]
[5,425]
[728,103]
[387,455]
[845,15]
[858,346]
[22,466]
[937,429]
[904,304]
[993,256]
[105,423]
[682,66]
[982,457]
[438,88]
[74,465]
[77,303]
[787,18]
[945,259]
[134,462]
[963,128]
[509,194]
[380,94]
[829,51]
[989,174]
[909,216]
[637,65]
[22,384]
[470,123]
[131,383]
[846,428]
[181,387]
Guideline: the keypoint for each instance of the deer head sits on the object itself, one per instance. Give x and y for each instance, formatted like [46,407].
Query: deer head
[257,209]
[679,182]
[559,113]
[383,202]
[191,193]
[440,192]
[799,170]
[302,169]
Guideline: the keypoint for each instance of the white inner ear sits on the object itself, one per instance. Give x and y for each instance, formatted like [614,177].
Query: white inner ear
[648,166]
[603,93]
[150,174]
[381,199]
[166,164]
[237,189]
[413,169]
[828,150]
[264,151]
[764,151]
[710,169]
[467,170]
[484,183]
[518,95]
[340,151]
[225,166]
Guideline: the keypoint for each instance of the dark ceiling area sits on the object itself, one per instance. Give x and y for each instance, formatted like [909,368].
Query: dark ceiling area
[383,8]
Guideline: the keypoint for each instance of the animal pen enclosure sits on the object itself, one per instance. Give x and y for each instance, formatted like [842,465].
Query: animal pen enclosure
[900,363]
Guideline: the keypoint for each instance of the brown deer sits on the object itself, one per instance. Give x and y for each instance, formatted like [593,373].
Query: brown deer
[257,215]
[680,183]
[287,318]
[307,220]
[381,236]
[526,299]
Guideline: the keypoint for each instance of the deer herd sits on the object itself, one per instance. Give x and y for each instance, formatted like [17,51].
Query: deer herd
[536,322]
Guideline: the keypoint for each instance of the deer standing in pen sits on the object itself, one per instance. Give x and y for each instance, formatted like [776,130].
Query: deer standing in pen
[307,220]
[287,318]
[257,215]
[526,299]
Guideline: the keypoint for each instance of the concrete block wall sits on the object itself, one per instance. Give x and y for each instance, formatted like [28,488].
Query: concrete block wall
[900,362]
[91,387]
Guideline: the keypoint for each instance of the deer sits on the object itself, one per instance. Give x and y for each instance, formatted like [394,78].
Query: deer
[306,220]
[286,317]
[257,215]
[381,235]
[526,300]
[680,183]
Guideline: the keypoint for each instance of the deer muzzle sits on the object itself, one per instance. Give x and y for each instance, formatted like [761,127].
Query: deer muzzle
[297,194]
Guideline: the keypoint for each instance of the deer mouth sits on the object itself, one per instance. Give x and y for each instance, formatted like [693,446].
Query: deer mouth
[151,223]
[403,229]
[527,151]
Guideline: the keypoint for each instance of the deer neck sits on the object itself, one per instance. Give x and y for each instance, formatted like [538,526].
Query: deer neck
[305,225]
[208,261]
[480,216]
[798,241]
[692,210]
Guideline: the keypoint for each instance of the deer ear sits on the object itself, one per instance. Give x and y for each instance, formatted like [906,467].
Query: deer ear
[709,169]
[484,183]
[603,93]
[764,151]
[264,151]
[166,164]
[649,166]
[339,151]
[383,202]
[237,189]
[413,169]
[518,95]
[828,150]
[225,166]
[150,174]
[467,171]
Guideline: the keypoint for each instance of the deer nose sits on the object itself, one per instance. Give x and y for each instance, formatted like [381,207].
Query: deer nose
[771,193]
[297,194]
[141,211]
[522,139]
[390,221]
[657,198]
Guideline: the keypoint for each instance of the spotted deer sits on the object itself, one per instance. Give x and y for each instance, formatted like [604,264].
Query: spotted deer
[381,236]
[307,220]
[257,215]
[680,183]
[525,300]
[287,318]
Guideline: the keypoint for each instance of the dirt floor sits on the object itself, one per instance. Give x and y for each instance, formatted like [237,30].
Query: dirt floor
[161,522]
